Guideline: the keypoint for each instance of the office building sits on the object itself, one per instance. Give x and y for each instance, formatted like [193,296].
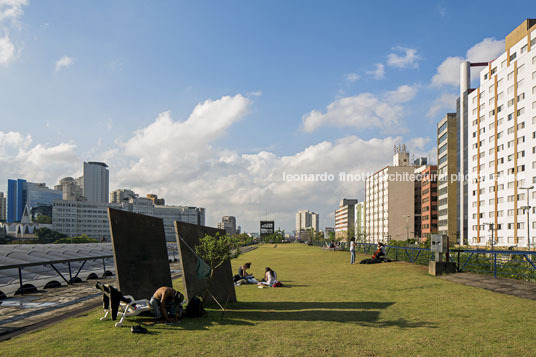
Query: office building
[170,214]
[95,182]
[390,200]
[345,219]
[501,155]
[156,201]
[228,223]
[71,189]
[447,186]
[121,195]
[3,207]
[36,196]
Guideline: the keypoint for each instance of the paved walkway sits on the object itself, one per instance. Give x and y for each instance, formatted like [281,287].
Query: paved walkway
[519,288]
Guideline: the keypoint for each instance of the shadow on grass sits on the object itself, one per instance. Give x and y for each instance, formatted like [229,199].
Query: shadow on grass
[297,305]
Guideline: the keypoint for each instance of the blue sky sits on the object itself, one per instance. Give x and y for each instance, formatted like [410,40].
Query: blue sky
[208,103]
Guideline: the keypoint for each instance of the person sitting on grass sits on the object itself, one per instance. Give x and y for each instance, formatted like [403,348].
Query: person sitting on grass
[380,252]
[165,302]
[270,278]
[243,277]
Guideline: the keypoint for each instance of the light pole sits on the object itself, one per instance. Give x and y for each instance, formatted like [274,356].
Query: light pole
[491,228]
[527,210]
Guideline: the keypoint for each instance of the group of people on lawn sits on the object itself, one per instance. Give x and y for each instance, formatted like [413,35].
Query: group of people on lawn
[243,277]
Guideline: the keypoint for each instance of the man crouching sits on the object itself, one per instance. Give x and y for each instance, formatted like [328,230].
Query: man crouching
[166,303]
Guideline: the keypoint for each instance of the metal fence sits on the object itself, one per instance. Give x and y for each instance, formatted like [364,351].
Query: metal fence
[514,264]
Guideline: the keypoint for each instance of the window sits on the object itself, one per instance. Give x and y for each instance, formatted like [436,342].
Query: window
[510,90]
[521,112]
[513,56]
[510,75]
[520,97]
[523,49]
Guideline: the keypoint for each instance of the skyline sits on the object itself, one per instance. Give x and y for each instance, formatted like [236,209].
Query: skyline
[180,101]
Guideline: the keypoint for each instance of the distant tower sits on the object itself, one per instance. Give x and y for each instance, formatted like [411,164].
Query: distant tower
[401,156]
[96,182]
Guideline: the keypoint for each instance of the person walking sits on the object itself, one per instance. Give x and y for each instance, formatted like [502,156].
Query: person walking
[352,251]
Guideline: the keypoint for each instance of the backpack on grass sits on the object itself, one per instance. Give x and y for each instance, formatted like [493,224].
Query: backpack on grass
[195,308]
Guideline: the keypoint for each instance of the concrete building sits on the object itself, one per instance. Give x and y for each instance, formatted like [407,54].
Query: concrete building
[418,201]
[71,189]
[501,155]
[96,181]
[345,219]
[447,186]
[121,195]
[328,231]
[37,196]
[360,232]
[305,222]
[3,207]
[75,218]
[390,200]
[428,209]
[228,223]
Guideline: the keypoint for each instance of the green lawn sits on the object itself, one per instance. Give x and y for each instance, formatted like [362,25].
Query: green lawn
[327,307]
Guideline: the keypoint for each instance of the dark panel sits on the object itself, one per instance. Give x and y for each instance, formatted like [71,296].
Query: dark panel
[222,286]
[140,253]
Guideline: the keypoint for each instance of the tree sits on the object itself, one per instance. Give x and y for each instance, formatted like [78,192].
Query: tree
[43,219]
[214,251]
[47,235]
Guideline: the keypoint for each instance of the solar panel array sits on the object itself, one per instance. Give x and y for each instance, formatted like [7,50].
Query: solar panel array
[43,274]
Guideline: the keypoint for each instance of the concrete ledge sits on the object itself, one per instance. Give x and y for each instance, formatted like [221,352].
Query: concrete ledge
[440,268]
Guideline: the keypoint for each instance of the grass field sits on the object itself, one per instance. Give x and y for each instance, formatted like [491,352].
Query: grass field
[326,307]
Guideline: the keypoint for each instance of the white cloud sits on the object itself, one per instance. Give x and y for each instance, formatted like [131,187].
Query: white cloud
[64,62]
[36,163]
[379,72]
[363,111]
[11,10]
[446,102]
[408,59]
[7,51]
[352,77]
[256,93]
[448,72]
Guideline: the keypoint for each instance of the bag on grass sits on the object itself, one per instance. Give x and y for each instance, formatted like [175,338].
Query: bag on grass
[277,284]
[195,308]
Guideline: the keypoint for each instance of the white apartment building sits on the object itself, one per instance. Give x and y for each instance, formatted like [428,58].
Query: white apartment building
[121,195]
[306,220]
[501,116]
[389,201]
[96,181]
[228,223]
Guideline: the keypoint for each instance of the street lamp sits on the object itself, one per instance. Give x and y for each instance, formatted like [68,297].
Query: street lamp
[527,210]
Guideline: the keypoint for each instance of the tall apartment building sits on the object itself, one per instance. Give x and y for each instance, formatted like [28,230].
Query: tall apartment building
[429,220]
[121,195]
[345,219]
[37,196]
[305,221]
[3,207]
[390,200]
[359,215]
[447,186]
[71,189]
[96,181]
[501,154]
[228,223]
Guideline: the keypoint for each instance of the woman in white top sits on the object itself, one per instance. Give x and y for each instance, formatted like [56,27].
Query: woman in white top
[270,277]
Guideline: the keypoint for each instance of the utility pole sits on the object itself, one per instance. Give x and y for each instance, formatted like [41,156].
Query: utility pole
[527,210]
[491,228]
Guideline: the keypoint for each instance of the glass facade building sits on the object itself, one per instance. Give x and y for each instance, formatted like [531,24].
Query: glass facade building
[36,195]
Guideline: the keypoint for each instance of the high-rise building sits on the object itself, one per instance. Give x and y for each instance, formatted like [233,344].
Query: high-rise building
[428,209]
[390,200]
[121,195]
[71,189]
[36,196]
[345,219]
[228,223]
[305,222]
[3,207]
[170,214]
[500,155]
[95,181]
[360,220]
[447,171]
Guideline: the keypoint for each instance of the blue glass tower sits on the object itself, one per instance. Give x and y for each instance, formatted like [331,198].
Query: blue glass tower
[15,202]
